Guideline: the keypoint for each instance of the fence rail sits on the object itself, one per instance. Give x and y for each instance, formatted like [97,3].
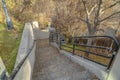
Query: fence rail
[75,46]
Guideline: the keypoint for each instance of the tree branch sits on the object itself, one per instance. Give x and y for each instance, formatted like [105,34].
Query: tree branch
[112,5]
[87,13]
[82,19]
[96,19]
[110,16]
[92,9]
[87,18]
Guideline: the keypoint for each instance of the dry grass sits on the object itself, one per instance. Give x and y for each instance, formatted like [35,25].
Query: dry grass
[91,56]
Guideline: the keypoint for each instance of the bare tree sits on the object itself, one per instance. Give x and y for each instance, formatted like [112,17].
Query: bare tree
[94,16]
[65,18]
[69,16]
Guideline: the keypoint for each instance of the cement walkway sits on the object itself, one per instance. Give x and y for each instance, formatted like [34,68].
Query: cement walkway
[51,65]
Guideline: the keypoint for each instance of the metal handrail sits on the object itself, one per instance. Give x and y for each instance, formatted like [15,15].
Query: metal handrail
[95,53]
[115,40]
[115,50]
[18,67]
[101,47]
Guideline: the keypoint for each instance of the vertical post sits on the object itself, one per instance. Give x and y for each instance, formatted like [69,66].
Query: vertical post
[110,63]
[114,54]
[60,43]
[57,37]
[49,37]
[8,20]
[74,46]
[52,36]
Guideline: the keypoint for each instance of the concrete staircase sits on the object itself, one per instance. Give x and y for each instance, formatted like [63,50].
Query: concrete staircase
[51,65]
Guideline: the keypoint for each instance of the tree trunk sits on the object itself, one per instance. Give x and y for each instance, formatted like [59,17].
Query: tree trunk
[69,39]
[88,48]
[89,42]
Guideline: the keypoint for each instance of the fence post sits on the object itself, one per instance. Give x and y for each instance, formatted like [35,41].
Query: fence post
[110,63]
[49,37]
[57,38]
[60,43]
[113,55]
[73,46]
[52,37]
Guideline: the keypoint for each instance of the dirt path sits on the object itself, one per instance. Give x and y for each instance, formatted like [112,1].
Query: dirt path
[51,65]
